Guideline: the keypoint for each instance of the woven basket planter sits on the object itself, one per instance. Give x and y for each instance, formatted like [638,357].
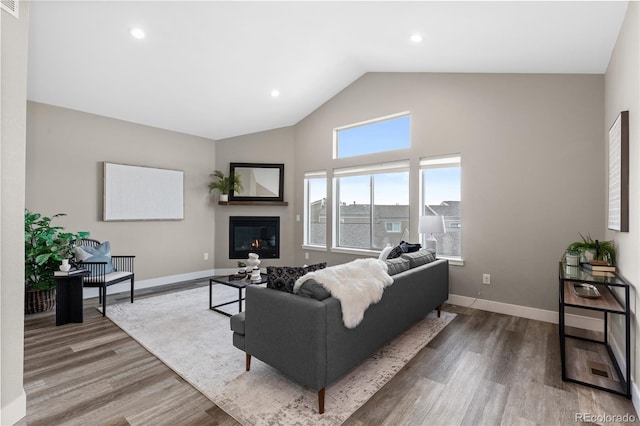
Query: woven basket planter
[39,300]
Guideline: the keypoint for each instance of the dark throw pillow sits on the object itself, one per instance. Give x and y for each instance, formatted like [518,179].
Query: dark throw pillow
[409,247]
[396,252]
[283,278]
[315,267]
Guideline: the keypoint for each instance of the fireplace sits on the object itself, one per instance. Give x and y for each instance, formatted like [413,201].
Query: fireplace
[254,234]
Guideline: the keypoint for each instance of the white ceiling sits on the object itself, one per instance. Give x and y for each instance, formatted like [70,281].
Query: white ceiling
[208,68]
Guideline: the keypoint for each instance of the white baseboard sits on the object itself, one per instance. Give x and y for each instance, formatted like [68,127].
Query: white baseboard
[620,358]
[635,399]
[571,320]
[617,352]
[14,410]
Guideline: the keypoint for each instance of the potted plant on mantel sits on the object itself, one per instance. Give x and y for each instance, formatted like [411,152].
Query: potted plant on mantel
[225,184]
[45,246]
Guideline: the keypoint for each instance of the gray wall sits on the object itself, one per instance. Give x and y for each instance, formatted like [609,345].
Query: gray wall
[65,154]
[533,176]
[13,91]
[272,146]
[622,93]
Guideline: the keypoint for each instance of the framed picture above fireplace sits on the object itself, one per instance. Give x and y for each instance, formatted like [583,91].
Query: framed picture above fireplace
[260,181]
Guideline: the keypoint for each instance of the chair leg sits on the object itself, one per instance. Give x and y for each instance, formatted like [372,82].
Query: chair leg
[248,362]
[321,401]
[131,290]
[439,308]
[104,300]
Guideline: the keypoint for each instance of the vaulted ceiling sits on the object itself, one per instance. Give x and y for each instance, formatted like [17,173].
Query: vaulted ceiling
[209,68]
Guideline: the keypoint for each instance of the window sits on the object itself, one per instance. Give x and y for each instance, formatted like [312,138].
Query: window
[370,199]
[385,134]
[440,178]
[315,209]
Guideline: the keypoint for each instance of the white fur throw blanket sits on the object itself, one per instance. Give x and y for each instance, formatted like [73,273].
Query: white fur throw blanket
[356,284]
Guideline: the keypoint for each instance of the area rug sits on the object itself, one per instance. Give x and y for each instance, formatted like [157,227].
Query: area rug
[196,343]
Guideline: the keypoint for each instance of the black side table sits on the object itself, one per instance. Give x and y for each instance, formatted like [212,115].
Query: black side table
[69,305]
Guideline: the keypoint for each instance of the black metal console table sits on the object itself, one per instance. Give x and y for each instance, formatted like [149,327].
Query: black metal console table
[577,367]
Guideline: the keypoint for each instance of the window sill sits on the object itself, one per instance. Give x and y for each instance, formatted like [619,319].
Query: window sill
[454,261]
[359,252]
[315,248]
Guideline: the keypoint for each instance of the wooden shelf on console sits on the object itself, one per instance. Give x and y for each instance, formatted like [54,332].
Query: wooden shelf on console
[253,203]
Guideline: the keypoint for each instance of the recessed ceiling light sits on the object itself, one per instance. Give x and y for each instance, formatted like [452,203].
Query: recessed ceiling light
[137,33]
[275,93]
[416,38]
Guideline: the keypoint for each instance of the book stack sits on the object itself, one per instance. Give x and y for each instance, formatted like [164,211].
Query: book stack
[72,271]
[599,269]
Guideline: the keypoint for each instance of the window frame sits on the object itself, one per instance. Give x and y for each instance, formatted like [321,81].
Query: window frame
[308,176]
[435,162]
[337,130]
[370,170]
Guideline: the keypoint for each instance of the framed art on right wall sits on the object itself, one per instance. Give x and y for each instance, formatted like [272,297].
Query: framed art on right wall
[618,217]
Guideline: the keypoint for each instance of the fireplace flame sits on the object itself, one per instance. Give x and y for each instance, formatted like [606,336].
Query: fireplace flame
[255,244]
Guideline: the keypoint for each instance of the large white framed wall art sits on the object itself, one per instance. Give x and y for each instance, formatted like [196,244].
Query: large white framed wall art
[142,193]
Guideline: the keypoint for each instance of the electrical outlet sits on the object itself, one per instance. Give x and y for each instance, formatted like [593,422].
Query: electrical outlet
[306,255]
[486,279]
[206,256]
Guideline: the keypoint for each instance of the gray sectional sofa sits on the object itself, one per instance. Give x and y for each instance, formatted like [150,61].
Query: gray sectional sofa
[306,339]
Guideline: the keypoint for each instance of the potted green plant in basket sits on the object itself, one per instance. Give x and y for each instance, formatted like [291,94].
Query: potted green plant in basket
[591,249]
[45,247]
[225,184]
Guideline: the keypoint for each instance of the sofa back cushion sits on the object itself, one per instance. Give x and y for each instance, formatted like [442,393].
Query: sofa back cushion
[284,277]
[314,290]
[420,257]
[397,265]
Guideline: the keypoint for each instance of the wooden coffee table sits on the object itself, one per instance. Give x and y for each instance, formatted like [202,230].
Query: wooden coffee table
[231,281]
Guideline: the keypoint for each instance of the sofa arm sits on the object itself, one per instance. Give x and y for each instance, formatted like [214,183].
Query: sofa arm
[288,332]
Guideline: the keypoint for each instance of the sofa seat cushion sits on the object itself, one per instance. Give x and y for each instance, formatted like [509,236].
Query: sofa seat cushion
[237,323]
[420,257]
[397,265]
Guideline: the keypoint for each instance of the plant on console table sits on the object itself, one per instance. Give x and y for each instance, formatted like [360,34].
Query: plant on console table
[591,249]
[224,184]
[45,247]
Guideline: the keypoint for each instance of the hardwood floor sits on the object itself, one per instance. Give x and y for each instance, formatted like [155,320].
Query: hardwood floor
[482,369]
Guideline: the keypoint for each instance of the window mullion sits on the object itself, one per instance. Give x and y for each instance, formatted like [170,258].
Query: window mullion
[371,198]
